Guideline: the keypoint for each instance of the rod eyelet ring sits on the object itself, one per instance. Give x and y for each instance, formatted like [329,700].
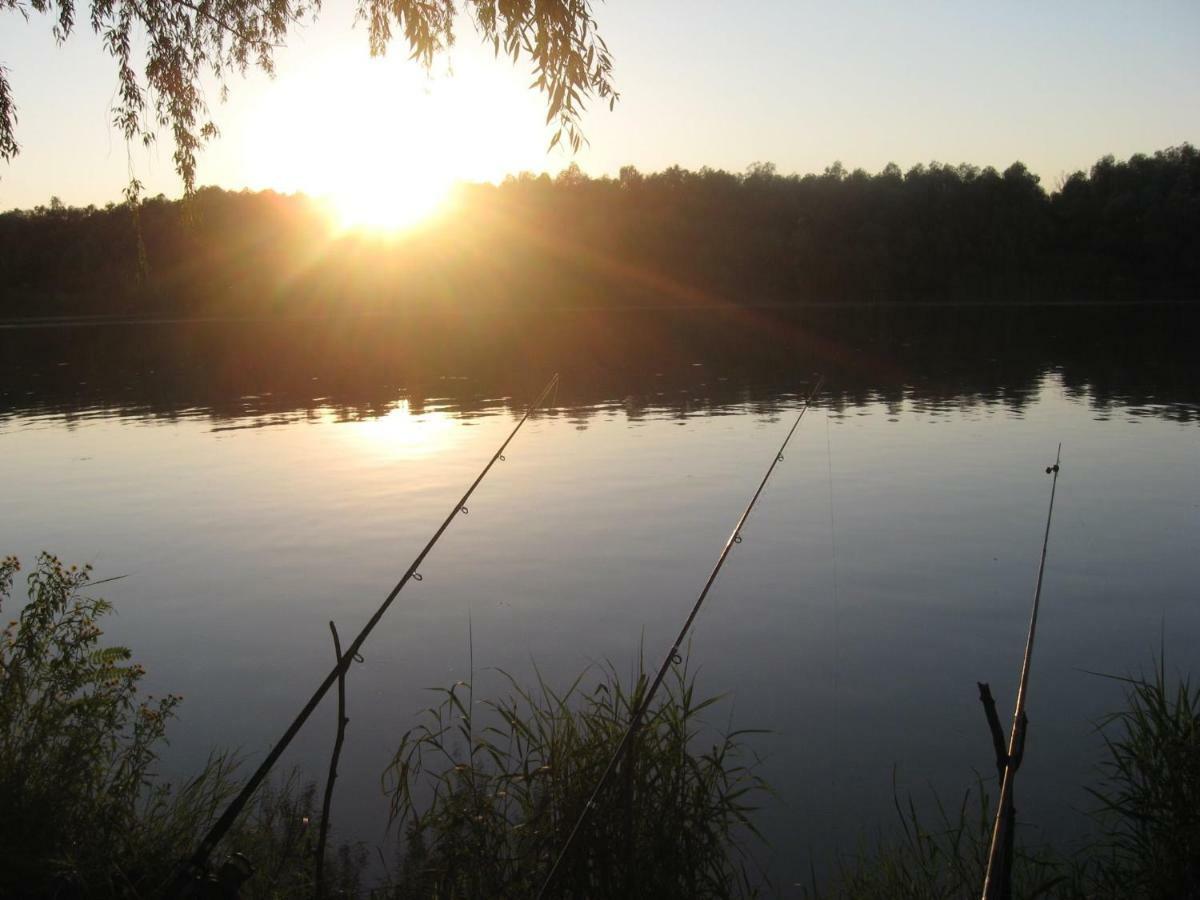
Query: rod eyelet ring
[358,658]
[737,538]
[417,576]
[502,457]
[676,659]
[463,510]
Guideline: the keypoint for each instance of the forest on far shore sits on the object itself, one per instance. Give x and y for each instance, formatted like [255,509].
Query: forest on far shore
[1126,230]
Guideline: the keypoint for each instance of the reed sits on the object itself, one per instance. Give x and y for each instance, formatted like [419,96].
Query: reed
[1149,791]
[1145,843]
[485,796]
[942,856]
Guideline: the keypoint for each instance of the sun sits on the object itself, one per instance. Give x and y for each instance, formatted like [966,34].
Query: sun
[382,142]
[381,154]
[394,206]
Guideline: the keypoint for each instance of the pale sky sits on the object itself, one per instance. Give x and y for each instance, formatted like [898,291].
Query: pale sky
[724,84]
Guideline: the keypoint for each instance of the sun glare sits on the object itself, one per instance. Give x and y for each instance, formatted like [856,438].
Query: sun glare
[403,433]
[382,142]
[392,207]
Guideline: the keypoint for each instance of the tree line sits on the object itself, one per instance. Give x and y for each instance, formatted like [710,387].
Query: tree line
[1126,230]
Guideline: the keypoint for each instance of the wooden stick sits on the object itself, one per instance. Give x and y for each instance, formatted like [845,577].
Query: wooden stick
[999,744]
[342,722]
[1003,885]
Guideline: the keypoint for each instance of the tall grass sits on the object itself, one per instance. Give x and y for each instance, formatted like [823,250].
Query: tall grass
[943,858]
[1149,792]
[1145,844]
[487,796]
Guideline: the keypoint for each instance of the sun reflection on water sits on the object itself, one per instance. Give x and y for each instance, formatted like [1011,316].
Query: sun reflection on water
[405,434]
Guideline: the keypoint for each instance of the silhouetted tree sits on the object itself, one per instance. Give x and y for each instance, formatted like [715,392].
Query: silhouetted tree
[1128,230]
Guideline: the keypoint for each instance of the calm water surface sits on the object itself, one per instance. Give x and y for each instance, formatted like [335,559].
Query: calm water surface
[255,481]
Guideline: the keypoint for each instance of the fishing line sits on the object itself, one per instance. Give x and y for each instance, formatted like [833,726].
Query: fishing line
[672,656]
[1016,738]
[196,862]
[836,742]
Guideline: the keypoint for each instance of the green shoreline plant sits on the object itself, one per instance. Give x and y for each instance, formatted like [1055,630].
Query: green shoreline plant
[83,813]
[76,742]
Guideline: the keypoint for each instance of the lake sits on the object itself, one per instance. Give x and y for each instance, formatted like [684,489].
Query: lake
[255,480]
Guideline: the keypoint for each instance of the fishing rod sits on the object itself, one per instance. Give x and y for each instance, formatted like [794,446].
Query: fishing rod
[672,656]
[995,880]
[197,860]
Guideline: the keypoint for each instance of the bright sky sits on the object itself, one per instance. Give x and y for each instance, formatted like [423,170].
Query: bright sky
[723,84]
